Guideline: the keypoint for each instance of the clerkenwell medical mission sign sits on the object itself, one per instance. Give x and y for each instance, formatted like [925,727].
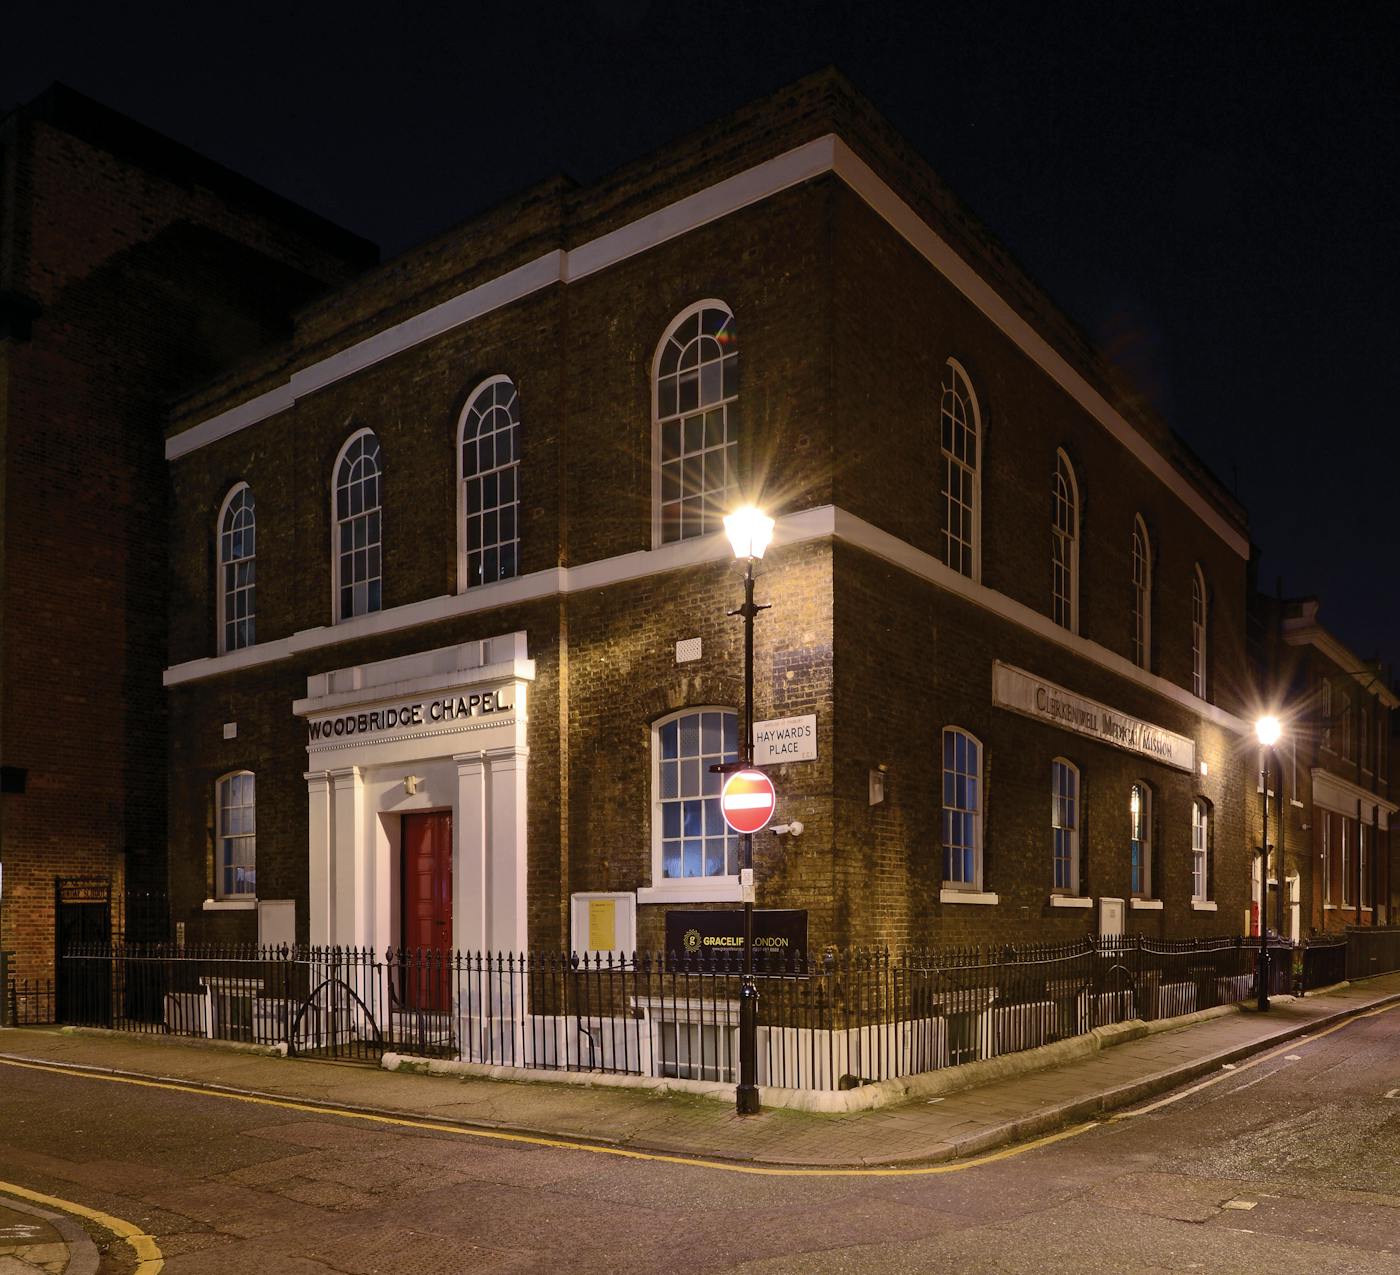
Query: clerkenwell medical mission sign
[1023,692]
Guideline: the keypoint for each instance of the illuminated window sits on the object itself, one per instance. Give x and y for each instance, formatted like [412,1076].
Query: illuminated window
[237,837]
[237,570]
[489,499]
[358,529]
[1142,594]
[962,810]
[1140,839]
[1065,545]
[1200,850]
[696,438]
[1198,633]
[1064,825]
[961,433]
[689,835]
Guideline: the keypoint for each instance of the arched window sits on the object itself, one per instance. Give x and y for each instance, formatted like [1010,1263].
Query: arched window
[1065,526]
[1344,728]
[962,810]
[1200,850]
[695,439]
[1142,594]
[1198,632]
[1140,839]
[358,530]
[689,836]
[961,434]
[237,570]
[488,534]
[1064,825]
[237,873]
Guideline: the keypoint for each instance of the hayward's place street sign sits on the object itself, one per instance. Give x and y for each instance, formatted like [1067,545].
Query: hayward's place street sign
[1032,696]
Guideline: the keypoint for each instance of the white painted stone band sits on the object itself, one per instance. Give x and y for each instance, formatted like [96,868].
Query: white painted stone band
[812,159]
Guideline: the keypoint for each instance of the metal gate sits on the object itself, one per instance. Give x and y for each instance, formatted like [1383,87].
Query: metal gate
[82,910]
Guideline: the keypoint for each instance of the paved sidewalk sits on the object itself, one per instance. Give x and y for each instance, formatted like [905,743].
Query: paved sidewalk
[921,1131]
[35,1241]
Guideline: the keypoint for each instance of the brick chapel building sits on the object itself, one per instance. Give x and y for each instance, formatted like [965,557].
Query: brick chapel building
[131,269]
[449,651]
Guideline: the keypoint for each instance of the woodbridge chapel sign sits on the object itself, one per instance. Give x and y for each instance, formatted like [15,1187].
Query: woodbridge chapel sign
[1032,696]
[400,718]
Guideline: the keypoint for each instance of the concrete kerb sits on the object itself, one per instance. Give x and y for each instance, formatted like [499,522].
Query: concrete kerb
[1049,1118]
[871,1097]
[186,1042]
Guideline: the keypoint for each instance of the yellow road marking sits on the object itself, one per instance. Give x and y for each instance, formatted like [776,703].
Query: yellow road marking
[1296,1043]
[149,1259]
[654,1157]
[558,1144]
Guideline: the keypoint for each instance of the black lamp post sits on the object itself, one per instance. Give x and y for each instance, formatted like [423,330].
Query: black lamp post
[1267,729]
[749,531]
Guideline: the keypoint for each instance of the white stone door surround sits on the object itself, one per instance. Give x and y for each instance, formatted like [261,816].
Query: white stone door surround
[436,730]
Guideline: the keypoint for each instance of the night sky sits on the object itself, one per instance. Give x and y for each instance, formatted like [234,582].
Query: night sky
[1212,191]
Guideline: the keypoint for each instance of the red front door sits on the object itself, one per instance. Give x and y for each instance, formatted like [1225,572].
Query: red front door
[427,909]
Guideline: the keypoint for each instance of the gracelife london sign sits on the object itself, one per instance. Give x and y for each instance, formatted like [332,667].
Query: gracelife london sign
[1025,693]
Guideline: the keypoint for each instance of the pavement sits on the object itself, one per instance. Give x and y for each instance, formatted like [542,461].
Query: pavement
[924,1131]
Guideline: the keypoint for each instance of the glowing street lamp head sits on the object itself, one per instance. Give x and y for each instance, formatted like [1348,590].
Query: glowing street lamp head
[1268,730]
[749,531]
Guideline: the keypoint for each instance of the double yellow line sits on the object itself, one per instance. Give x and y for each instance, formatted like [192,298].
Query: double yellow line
[622,1153]
[149,1259]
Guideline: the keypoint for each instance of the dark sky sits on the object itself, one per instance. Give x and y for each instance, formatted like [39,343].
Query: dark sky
[1212,190]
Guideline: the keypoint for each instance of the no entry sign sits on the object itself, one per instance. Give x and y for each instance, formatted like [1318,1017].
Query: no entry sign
[747,800]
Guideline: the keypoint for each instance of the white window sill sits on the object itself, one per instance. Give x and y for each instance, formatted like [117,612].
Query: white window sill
[697,890]
[230,905]
[1203,905]
[968,896]
[1145,905]
[1071,901]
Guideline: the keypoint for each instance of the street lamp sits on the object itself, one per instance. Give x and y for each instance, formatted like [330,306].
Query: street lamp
[1267,729]
[749,531]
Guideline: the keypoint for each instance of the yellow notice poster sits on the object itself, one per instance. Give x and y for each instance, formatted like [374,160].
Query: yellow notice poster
[602,925]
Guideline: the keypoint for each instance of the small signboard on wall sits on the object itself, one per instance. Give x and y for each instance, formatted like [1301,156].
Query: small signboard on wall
[603,924]
[716,936]
[785,739]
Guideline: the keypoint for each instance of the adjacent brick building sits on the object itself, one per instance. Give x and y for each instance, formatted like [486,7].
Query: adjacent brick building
[1329,774]
[131,269]
[449,647]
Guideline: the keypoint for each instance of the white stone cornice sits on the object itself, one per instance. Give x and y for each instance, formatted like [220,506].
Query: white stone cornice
[826,154]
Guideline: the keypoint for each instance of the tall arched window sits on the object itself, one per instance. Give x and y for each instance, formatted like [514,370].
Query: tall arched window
[488,533]
[1140,839]
[1064,825]
[237,837]
[962,810]
[695,439]
[689,836]
[1065,526]
[1142,594]
[1198,632]
[1200,850]
[237,570]
[961,429]
[358,530]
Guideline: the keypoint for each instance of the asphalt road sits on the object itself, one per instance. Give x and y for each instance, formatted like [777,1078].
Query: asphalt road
[1290,1165]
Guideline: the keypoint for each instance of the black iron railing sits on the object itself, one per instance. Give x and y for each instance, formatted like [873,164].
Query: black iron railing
[829,1021]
